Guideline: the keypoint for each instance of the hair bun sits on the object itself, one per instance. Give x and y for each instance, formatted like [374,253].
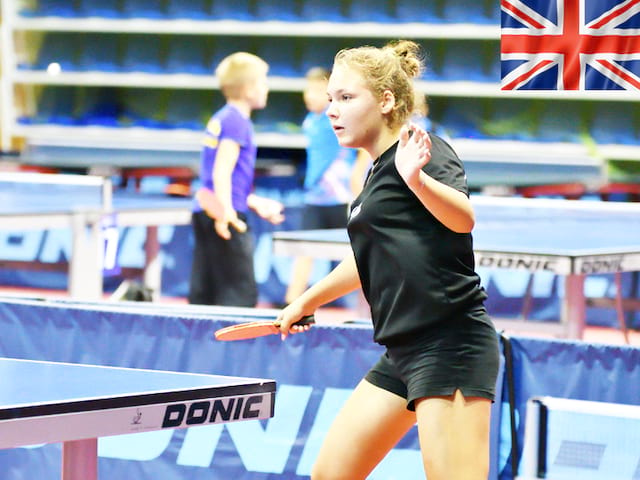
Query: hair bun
[409,54]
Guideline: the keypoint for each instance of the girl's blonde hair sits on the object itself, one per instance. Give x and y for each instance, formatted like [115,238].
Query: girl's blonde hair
[238,70]
[393,68]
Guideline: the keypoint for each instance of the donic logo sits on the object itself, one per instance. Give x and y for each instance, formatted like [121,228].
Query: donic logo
[214,411]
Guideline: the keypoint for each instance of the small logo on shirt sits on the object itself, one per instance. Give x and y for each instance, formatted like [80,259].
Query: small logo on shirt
[355,211]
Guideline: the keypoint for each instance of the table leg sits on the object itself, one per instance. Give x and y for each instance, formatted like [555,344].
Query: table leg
[85,264]
[153,264]
[574,307]
[80,460]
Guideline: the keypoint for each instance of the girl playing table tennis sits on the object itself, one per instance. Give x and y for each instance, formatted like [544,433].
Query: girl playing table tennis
[413,258]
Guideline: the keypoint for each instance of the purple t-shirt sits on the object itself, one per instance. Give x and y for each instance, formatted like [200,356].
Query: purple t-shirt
[229,123]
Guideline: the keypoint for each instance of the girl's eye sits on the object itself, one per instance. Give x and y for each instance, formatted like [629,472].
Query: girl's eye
[346,97]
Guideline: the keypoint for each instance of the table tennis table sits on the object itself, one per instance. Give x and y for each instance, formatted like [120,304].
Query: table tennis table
[82,203]
[570,238]
[51,402]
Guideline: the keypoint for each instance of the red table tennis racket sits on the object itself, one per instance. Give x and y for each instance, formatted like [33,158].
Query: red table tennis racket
[244,331]
[210,203]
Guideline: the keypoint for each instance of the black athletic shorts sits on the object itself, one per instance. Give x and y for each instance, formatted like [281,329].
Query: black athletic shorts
[460,355]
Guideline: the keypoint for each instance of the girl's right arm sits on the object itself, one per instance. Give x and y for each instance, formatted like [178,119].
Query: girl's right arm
[341,280]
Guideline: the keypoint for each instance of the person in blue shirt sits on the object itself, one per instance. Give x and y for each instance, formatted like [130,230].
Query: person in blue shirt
[222,271]
[327,190]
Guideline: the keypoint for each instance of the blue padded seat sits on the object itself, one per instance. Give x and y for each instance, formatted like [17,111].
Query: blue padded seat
[189,9]
[143,53]
[188,54]
[463,61]
[101,107]
[226,45]
[615,123]
[465,11]
[282,10]
[322,11]
[319,53]
[143,8]
[560,122]
[56,105]
[100,52]
[52,8]
[464,119]
[61,48]
[417,11]
[370,11]
[280,54]
[189,109]
[100,8]
[236,10]
[145,107]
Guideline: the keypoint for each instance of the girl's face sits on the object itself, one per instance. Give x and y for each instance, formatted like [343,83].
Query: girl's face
[355,114]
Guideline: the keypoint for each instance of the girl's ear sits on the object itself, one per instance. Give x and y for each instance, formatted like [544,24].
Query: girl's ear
[388,101]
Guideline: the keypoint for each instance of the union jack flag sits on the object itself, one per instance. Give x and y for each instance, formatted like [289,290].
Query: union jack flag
[570,44]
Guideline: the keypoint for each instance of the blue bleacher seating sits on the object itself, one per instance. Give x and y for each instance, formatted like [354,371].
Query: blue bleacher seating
[100,8]
[463,119]
[282,114]
[143,8]
[319,54]
[614,124]
[52,8]
[101,107]
[56,105]
[188,54]
[465,11]
[99,53]
[283,10]
[190,9]
[463,61]
[61,48]
[236,10]
[142,53]
[223,46]
[417,11]
[188,109]
[511,119]
[280,54]
[145,107]
[559,122]
[322,11]
[370,11]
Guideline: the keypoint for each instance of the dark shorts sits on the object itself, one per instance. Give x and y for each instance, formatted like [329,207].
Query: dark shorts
[222,270]
[316,217]
[461,355]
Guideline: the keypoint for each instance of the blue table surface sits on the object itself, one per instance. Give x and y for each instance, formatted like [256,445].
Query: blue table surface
[29,383]
[535,229]
[58,202]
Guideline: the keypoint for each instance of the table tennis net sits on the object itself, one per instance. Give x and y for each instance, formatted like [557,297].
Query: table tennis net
[573,439]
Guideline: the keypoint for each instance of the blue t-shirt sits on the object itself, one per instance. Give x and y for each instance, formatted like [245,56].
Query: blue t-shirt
[229,123]
[328,164]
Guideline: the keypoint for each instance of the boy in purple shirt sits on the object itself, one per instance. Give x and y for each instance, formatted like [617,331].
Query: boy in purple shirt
[222,271]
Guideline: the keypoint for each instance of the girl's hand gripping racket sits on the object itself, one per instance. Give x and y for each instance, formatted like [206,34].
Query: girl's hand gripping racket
[211,204]
[244,331]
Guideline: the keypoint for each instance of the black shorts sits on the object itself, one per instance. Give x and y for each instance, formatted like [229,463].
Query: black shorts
[316,217]
[222,270]
[460,355]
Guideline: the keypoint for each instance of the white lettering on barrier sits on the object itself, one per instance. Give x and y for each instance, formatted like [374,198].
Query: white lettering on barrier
[20,246]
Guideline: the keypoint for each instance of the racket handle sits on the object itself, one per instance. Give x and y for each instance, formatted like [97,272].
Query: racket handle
[306,320]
